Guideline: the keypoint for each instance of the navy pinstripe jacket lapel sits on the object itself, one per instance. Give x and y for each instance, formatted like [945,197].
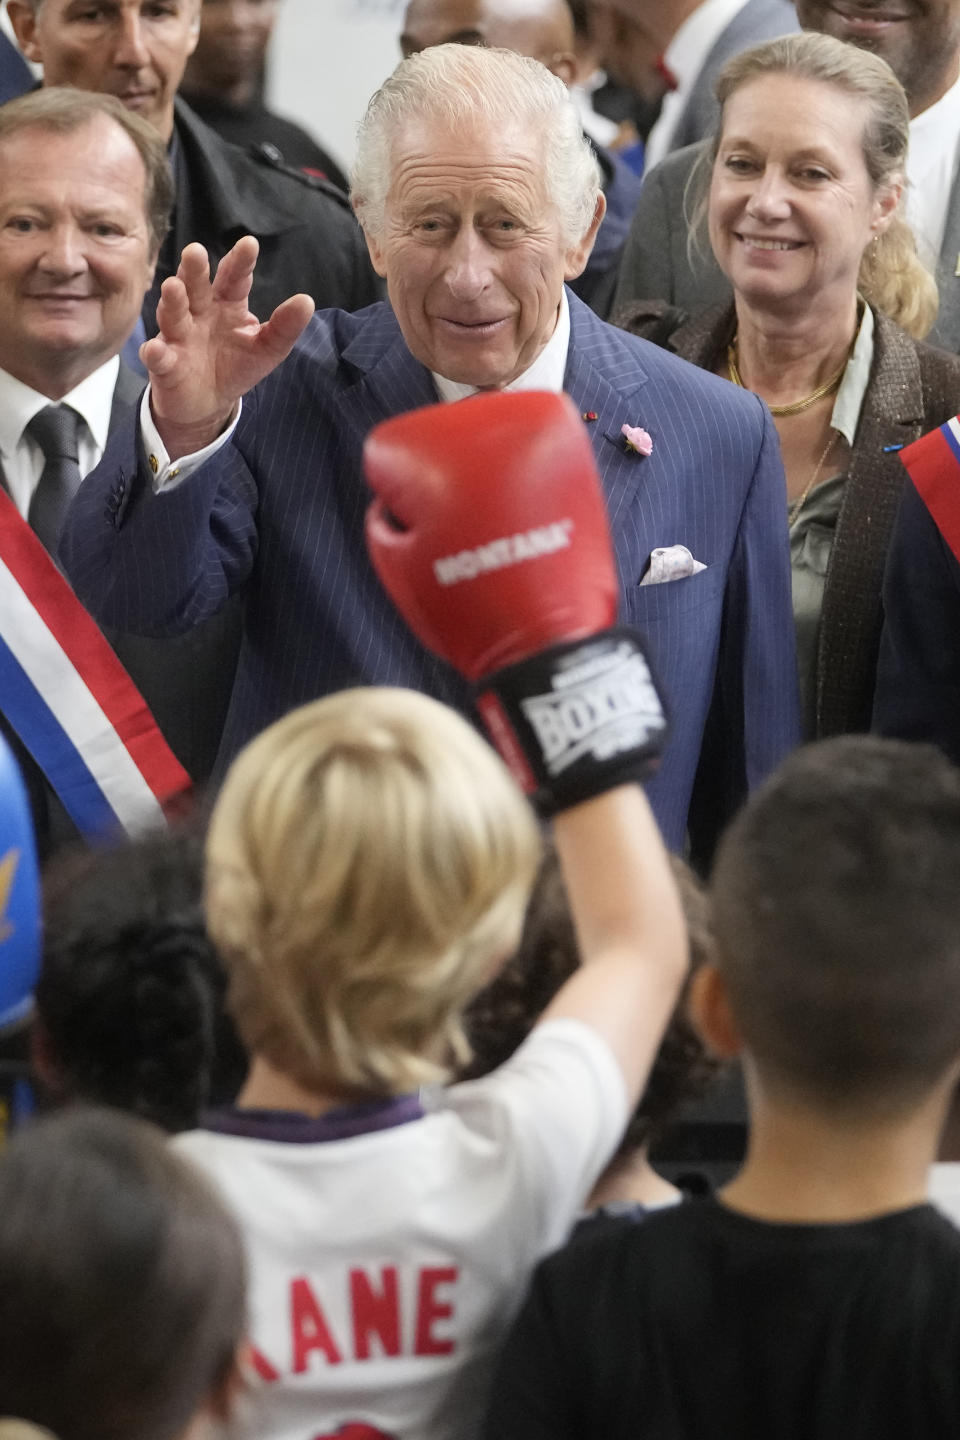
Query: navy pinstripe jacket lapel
[394,380]
[604,378]
[601,376]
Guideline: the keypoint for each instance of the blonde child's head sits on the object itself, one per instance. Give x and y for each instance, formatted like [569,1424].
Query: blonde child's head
[369,861]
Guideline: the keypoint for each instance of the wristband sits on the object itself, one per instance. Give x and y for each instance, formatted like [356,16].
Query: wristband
[577,719]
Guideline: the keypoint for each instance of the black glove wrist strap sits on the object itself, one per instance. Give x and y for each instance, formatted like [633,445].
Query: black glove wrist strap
[576,720]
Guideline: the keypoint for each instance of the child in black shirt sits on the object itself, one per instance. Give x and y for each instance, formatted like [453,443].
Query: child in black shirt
[819,1295]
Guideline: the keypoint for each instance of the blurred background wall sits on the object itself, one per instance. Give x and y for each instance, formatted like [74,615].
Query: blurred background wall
[327,58]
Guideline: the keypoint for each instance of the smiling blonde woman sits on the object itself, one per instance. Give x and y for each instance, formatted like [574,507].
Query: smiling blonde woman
[802,201]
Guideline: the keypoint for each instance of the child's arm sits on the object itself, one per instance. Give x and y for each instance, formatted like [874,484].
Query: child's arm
[630,927]
[489,529]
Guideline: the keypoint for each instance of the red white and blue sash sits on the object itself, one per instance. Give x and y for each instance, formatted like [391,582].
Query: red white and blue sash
[933,464]
[69,699]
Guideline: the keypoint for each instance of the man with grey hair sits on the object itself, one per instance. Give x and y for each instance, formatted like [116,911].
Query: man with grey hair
[479,200]
[543,29]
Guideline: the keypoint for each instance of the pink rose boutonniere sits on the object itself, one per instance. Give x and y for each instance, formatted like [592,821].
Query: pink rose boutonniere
[636,440]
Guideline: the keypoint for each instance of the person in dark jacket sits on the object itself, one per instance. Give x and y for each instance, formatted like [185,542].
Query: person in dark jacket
[309,240]
[224,82]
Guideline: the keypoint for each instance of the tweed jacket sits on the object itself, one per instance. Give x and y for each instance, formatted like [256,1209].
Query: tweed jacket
[912,389]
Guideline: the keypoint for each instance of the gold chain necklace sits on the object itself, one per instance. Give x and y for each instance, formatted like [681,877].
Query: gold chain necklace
[795,406]
[797,505]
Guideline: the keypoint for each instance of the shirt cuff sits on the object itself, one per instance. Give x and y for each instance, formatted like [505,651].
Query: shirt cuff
[167,473]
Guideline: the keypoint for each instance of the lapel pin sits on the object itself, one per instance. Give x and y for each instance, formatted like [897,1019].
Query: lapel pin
[589,415]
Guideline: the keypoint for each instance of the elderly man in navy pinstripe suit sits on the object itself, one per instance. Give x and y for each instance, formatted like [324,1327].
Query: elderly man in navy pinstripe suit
[478,199]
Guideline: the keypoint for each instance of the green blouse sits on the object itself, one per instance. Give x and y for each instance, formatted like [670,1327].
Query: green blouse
[813,528]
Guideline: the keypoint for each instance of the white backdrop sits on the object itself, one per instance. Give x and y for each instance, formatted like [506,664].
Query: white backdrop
[327,58]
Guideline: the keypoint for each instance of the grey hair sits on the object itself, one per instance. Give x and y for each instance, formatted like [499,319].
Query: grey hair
[892,277]
[457,84]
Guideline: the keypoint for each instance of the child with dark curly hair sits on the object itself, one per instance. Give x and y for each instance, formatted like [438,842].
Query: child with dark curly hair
[130,1005]
[503,1014]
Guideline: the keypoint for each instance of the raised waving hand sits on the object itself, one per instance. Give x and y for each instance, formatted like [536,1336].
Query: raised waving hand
[211,349]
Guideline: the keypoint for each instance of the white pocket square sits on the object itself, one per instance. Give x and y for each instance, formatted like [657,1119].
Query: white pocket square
[671,562]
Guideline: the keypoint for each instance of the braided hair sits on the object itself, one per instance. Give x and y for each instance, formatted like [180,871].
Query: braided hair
[130,998]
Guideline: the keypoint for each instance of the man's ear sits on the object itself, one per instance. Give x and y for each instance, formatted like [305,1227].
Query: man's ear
[374,248]
[564,66]
[579,253]
[708,1005]
[43,1060]
[232,1388]
[886,204]
[151,261]
[24,23]
[193,33]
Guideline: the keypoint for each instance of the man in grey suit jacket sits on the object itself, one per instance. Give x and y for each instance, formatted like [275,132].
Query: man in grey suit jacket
[660,262]
[690,113]
[674,51]
[476,220]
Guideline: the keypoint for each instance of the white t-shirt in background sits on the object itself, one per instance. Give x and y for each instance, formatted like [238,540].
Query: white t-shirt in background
[931,166]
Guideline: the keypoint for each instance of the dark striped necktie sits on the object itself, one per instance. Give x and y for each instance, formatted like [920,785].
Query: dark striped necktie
[55,428]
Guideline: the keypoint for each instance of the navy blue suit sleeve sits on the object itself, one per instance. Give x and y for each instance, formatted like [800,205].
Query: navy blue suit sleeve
[16,77]
[918,669]
[154,564]
[754,718]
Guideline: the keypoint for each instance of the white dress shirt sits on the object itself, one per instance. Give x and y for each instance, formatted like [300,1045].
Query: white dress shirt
[685,57]
[856,378]
[21,457]
[931,165]
[546,373]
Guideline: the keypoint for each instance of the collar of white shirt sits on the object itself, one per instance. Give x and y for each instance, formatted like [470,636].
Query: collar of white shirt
[856,378]
[685,57]
[20,455]
[92,399]
[546,372]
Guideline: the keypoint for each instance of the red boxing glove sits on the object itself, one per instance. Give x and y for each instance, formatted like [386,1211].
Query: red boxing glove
[489,530]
